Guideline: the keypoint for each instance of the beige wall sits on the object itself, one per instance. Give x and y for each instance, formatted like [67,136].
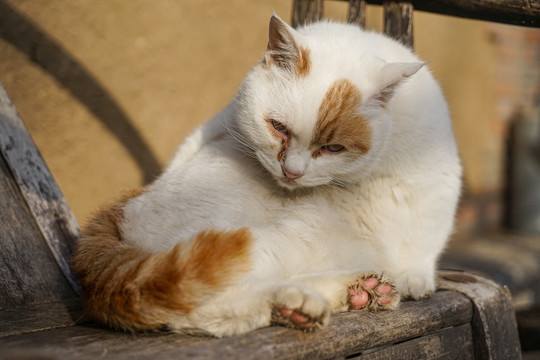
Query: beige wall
[170,65]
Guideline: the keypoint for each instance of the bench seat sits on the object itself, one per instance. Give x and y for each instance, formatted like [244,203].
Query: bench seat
[469,317]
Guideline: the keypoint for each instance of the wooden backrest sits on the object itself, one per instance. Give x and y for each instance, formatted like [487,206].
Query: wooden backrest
[37,228]
[397,16]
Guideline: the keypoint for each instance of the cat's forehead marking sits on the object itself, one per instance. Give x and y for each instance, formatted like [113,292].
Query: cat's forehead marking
[338,120]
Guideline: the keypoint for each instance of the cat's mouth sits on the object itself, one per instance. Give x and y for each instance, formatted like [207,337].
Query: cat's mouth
[287,183]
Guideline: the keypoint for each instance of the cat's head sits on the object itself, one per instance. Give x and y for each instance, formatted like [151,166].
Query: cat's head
[314,111]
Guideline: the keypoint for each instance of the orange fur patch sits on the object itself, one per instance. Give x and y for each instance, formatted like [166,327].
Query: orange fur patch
[283,138]
[338,120]
[303,64]
[131,289]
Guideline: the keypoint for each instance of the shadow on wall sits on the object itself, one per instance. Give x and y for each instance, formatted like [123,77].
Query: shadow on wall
[19,31]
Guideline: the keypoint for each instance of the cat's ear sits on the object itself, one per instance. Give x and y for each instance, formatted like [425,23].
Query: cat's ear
[282,49]
[390,76]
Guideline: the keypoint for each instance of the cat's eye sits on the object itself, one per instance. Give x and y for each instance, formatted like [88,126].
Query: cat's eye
[279,127]
[334,148]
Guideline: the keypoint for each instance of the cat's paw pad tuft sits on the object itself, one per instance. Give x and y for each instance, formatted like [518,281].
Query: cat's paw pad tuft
[373,292]
[299,309]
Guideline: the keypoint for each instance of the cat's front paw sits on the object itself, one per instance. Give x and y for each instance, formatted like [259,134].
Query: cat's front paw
[299,308]
[373,292]
[415,284]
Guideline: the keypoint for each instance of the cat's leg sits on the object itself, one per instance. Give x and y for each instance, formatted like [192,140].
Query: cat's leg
[416,279]
[254,304]
[346,290]
[419,230]
[412,262]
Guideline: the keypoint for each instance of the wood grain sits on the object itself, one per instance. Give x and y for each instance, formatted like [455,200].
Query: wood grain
[92,342]
[28,272]
[450,343]
[39,317]
[494,321]
[515,12]
[398,21]
[41,193]
[348,333]
[357,12]
[306,11]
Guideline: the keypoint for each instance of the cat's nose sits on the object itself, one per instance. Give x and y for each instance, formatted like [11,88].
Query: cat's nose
[291,174]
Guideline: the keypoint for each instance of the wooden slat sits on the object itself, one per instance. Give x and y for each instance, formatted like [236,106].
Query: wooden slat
[515,12]
[451,343]
[398,21]
[28,271]
[357,12]
[93,342]
[494,321]
[348,333]
[39,317]
[510,259]
[306,11]
[43,197]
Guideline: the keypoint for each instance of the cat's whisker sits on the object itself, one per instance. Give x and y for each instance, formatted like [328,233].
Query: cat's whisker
[245,152]
[242,145]
[239,137]
[341,183]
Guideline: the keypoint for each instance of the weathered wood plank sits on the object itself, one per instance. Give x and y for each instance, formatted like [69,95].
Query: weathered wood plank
[528,321]
[398,21]
[515,12]
[306,11]
[39,317]
[510,259]
[94,342]
[357,12]
[43,197]
[451,343]
[28,272]
[494,321]
[348,333]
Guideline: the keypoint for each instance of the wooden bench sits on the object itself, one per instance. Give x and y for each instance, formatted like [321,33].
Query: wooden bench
[41,313]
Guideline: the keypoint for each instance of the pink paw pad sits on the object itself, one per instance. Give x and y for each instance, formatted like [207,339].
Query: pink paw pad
[296,318]
[371,293]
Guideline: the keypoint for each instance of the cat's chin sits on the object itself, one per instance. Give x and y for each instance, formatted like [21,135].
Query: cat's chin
[288,184]
[293,185]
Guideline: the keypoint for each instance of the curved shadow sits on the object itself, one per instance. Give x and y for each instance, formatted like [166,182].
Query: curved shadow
[49,55]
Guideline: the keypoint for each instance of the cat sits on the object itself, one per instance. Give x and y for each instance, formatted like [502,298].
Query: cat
[330,183]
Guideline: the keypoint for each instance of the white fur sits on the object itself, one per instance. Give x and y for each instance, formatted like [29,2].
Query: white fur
[393,212]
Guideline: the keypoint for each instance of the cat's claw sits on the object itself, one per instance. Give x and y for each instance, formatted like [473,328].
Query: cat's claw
[298,309]
[373,292]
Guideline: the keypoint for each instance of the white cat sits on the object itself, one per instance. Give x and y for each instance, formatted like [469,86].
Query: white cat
[332,176]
